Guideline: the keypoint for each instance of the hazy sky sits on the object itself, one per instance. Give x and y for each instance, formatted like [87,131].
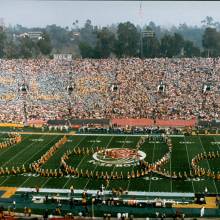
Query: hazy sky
[40,13]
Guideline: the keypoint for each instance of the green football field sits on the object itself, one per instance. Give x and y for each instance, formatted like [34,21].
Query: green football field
[33,146]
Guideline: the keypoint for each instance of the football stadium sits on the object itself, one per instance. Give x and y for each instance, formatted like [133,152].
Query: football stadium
[109,122]
[51,159]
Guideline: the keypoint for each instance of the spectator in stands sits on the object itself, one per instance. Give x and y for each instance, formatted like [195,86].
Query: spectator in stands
[109,88]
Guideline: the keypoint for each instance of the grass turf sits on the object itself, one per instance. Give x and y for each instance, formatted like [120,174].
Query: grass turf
[185,148]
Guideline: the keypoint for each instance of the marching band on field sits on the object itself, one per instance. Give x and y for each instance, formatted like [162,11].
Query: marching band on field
[199,171]
[36,166]
[143,167]
[13,138]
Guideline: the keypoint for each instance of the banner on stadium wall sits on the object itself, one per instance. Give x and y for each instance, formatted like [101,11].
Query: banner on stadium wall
[143,122]
[36,123]
[176,123]
[11,125]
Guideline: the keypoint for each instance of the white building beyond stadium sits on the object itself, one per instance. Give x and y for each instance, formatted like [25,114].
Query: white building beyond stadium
[62,57]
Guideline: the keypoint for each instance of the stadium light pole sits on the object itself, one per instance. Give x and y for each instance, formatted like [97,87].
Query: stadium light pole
[70,91]
[141,45]
[148,34]
[23,90]
[25,114]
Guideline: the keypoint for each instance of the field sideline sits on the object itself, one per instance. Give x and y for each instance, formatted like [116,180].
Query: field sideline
[185,148]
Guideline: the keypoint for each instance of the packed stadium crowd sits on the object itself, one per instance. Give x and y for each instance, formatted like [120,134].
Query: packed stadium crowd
[109,88]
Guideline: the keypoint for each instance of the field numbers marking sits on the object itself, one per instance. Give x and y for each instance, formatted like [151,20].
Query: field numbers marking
[38,140]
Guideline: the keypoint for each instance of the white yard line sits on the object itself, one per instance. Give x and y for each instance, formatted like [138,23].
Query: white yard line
[45,182]
[24,182]
[208,165]
[14,145]
[40,149]
[5,180]
[129,181]
[12,158]
[151,162]
[171,180]
[97,164]
[189,162]
[85,155]
[73,148]
[33,156]
[217,142]
[53,155]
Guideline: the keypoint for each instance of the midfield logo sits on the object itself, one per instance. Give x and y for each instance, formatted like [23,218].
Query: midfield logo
[119,157]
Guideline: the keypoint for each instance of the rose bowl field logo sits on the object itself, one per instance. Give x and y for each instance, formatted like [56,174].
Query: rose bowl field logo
[119,157]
